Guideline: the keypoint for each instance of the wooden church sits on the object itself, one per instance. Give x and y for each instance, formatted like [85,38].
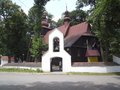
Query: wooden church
[79,42]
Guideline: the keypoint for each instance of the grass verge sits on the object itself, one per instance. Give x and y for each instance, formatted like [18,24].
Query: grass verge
[40,71]
[20,70]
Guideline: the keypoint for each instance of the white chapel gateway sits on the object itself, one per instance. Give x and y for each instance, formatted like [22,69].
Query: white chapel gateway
[51,53]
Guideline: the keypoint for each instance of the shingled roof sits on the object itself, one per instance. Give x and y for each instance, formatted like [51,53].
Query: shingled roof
[71,33]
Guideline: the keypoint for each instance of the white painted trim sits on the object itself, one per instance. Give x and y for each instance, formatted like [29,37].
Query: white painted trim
[96,69]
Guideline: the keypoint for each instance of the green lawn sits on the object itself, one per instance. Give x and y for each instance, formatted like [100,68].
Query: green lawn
[20,70]
[39,71]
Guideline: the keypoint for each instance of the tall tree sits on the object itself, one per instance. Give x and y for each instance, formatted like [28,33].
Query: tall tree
[84,3]
[76,16]
[106,25]
[104,17]
[50,21]
[34,21]
[13,28]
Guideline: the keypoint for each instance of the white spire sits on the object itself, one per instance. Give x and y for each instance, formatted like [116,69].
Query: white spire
[66,6]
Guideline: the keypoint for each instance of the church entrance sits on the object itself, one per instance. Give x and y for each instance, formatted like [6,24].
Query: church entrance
[56,64]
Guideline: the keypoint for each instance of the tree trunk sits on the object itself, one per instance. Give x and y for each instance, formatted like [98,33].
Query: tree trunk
[107,53]
[102,53]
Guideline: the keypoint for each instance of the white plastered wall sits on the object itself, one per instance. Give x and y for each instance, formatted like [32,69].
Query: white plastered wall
[66,58]
[3,62]
[116,59]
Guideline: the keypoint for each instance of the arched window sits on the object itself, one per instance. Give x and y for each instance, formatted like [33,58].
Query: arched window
[56,46]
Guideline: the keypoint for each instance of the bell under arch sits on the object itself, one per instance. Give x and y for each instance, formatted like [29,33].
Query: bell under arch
[56,45]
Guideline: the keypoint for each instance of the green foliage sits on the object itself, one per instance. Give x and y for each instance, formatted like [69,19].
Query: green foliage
[19,70]
[14,25]
[106,25]
[35,15]
[35,46]
[104,17]
[39,71]
[34,18]
[60,22]
[34,22]
[83,3]
[76,16]
[13,29]
[51,22]
[41,2]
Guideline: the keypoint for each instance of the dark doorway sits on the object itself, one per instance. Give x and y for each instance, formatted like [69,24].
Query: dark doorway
[56,64]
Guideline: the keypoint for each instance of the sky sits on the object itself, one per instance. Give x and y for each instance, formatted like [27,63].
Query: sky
[24,4]
[57,7]
[54,7]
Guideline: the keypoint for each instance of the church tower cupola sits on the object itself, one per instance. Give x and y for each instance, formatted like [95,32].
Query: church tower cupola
[44,24]
[66,18]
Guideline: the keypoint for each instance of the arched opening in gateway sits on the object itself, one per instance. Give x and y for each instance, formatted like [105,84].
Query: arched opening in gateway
[56,64]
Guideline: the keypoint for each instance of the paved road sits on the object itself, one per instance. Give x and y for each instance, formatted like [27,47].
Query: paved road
[25,81]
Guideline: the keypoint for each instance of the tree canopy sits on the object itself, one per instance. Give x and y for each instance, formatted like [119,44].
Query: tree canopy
[34,22]
[104,17]
[76,16]
[12,29]
[15,25]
